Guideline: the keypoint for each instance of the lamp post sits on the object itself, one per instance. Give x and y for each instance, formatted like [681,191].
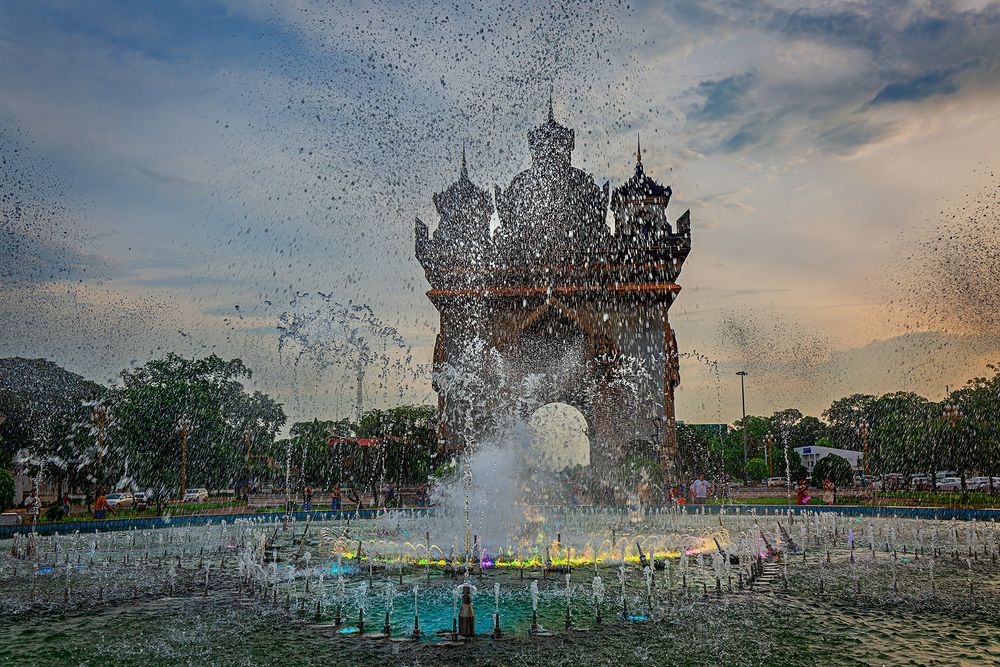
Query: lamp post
[952,412]
[249,444]
[769,441]
[184,427]
[864,431]
[100,417]
[743,396]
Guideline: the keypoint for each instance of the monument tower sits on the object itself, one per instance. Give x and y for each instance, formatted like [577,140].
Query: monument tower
[554,293]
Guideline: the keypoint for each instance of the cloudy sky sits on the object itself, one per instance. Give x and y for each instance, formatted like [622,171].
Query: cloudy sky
[176,176]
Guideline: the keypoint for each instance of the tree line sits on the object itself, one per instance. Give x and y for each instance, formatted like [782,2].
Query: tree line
[79,434]
[905,433]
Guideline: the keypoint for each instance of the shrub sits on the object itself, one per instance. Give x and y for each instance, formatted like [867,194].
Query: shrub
[837,468]
[755,469]
[6,489]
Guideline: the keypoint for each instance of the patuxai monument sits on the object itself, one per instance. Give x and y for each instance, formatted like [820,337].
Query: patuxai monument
[559,299]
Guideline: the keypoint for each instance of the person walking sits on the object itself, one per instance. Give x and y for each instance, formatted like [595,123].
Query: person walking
[802,493]
[699,489]
[101,506]
[336,497]
[307,499]
[34,506]
[829,491]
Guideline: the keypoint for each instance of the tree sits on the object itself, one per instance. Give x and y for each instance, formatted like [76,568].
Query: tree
[836,468]
[404,451]
[144,438]
[755,469]
[728,450]
[699,451]
[806,432]
[791,429]
[796,470]
[46,412]
[6,489]
[901,434]
[845,416]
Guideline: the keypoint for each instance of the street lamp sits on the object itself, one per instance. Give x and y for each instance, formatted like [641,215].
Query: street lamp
[184,427]
[864,431]
[743,396]
[100,417]
[769,440]
[249,444]
[952,412]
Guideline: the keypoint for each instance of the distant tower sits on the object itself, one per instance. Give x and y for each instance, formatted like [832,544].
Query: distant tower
[556,295]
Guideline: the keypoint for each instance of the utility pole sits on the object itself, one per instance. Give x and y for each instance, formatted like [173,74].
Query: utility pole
[359,400]
[952,414]
[770,454]
[184,427]
[743,395]
[864,431]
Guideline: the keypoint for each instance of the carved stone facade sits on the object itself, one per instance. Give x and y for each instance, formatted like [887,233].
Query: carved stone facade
[556,294]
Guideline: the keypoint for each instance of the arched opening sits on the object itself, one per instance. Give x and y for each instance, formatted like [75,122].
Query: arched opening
[559,437]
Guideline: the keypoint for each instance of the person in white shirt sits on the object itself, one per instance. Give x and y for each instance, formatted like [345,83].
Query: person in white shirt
[699,489]
[34,506]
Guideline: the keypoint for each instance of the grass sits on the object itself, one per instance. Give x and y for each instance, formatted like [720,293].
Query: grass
[168,510]
[976,500]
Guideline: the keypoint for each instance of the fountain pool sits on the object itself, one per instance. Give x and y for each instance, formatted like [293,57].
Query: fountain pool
[733,587]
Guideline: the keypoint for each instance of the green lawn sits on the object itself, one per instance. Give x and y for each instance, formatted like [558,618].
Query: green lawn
[894,498]
[168,510]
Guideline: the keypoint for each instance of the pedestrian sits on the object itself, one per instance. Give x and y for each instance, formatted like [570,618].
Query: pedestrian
[101,506]
[65,505]
[355,497]
[699,489]
[802,493]
[307,499]
[829,491]
[34,506]
[336,497]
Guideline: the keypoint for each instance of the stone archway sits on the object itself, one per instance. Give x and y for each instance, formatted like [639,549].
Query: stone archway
[554,277]
[559,437]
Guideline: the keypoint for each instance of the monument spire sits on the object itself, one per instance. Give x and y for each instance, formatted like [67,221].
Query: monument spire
[463,174]
[638,153]
[552,116]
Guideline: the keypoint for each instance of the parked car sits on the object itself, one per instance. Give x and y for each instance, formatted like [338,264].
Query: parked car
[950,484]
[977,483]
[141,499]
[922,483]
[198,495]
[777,481]
[120,500]
[894,482]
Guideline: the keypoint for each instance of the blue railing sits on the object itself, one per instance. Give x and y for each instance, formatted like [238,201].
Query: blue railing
[940,513]
[148,523]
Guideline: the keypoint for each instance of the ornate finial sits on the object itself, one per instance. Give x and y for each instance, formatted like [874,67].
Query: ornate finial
[638,149]
[552,117]
[464,173]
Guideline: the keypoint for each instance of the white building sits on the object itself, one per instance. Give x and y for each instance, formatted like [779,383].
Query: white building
[811,455]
